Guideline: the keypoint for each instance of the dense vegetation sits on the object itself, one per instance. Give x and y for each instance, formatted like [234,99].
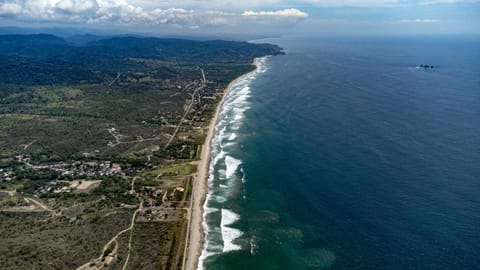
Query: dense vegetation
[33,241]
[45,59]
[156,246]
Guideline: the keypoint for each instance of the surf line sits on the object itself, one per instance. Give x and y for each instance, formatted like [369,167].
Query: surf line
[235,103]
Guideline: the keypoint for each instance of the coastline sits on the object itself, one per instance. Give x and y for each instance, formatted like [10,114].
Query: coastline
[195,235]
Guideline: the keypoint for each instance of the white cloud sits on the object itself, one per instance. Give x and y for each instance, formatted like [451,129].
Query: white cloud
[419,21]
[10,9]
[231,5]
[291,12]
[355,3]
[131,13]
[264,4]
[76,6]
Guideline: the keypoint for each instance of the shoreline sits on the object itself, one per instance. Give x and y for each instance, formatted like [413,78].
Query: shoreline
[195,239]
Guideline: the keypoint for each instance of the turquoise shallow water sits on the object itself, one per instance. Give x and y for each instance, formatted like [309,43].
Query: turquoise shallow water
[342,154]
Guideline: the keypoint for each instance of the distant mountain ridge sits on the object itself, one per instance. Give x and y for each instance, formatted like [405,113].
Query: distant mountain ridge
[47,59]
[50,46]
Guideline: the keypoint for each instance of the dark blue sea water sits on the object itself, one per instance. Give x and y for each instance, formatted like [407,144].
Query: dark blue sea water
[343,155]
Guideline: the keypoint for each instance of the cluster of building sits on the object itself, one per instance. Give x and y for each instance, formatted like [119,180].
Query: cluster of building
[155,196]
[157,204]
[181,84]
[6,175]
[54,187]
[78,168]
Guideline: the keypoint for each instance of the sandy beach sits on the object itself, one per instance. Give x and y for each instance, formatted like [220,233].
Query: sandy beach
[195,237]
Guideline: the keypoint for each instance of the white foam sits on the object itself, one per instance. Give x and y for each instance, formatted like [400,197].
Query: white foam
[244,181]
[232,165]
[223,130]
[238,117]
[218,198]
[241,100]
[238,98]
[229,234]
[232,137]
[237,110]
[218,157]
[222,173]
[205,254]
[228,144]
[244,90]
[229,217]
[210,210]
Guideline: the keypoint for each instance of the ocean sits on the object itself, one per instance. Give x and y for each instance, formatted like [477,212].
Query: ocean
[346,154]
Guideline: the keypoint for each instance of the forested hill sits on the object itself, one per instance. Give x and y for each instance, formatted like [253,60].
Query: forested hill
[182,50]
[48,59]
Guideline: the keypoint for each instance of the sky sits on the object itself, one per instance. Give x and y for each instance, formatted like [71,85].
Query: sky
[266,17]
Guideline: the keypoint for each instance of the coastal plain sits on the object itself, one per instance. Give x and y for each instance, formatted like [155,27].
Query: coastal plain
[104,147]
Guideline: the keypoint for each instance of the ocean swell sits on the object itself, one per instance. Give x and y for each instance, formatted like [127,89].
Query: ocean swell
[225,170]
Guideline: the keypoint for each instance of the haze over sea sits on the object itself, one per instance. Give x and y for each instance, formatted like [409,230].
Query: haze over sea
[343,154]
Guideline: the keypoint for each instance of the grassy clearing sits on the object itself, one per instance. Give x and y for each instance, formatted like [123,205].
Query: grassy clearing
[172,170]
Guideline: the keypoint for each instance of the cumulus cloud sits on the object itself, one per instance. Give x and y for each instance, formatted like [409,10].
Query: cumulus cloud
[418,21]
[291,12]
[76,6]
[211,4]
[131,14]
[10,9]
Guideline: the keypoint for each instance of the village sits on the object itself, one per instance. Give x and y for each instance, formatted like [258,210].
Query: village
[74,169]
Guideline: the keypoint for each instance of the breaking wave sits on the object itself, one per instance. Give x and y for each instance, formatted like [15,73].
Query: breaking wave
[229,234]
[226,174]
